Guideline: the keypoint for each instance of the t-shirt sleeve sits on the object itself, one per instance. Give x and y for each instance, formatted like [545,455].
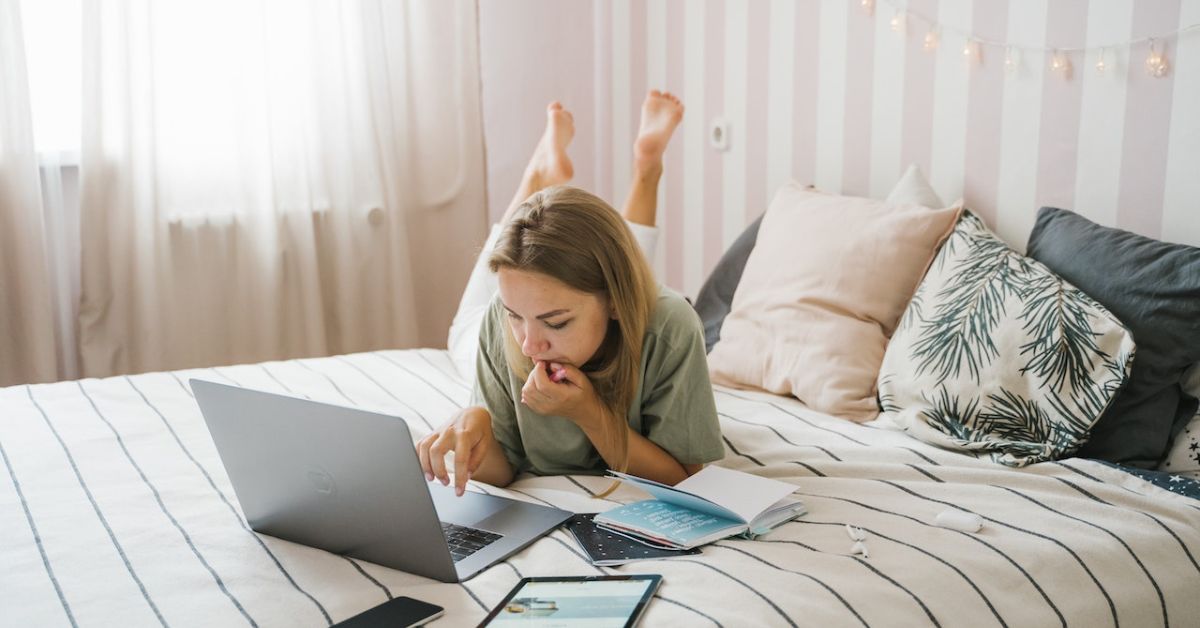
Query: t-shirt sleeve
[678,410]
[492,389]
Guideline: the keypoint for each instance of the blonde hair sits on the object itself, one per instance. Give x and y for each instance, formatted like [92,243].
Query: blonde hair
[575,237]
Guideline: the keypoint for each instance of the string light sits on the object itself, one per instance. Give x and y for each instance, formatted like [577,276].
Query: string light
[971,51]
[1010,60]
[1157,64]
[932,38]
[1061,63]
[1156,61]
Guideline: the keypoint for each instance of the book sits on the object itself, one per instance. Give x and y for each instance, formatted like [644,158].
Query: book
[713,504]
[606,548]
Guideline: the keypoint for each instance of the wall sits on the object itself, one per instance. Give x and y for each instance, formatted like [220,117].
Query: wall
[823,92]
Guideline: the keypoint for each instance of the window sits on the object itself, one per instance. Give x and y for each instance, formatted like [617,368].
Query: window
[53,57]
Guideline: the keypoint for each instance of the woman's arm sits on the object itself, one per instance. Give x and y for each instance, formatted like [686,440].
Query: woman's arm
[646,459]
[572,396]
[477,454]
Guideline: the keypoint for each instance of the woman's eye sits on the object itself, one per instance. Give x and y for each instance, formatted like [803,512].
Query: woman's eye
[557,325]
[514,317]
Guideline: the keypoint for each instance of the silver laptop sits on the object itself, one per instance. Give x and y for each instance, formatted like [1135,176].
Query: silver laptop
[349,481]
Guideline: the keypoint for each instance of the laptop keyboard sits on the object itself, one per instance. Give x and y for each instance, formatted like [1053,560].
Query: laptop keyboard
[464,541]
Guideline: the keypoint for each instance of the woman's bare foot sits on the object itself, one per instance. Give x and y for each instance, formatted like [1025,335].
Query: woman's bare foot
[550,163]
[661,113]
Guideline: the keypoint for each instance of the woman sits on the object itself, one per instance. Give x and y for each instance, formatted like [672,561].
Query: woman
[584,362]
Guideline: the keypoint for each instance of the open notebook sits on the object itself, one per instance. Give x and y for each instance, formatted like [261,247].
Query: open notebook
[710,505]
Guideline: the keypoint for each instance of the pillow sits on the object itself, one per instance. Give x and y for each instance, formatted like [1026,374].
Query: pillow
[914,188]
[716,295]
[997,354]
[822,290]
[1154,288]
[1184,456]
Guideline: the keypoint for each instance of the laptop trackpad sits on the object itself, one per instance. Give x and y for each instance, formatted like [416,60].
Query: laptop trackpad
[467,510]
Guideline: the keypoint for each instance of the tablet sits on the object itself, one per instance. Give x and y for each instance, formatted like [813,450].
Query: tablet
[591,601]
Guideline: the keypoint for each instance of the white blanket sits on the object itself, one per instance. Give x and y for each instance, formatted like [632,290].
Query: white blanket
[115,510]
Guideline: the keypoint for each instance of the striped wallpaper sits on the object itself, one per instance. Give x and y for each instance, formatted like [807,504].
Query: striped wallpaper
[824,92]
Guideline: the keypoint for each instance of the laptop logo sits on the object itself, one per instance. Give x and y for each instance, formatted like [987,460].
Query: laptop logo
[321,481]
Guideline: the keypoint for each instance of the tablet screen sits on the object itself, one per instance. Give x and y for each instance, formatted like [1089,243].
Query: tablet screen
[576,602]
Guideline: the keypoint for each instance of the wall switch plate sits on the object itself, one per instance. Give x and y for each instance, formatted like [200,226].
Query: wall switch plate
[718,134]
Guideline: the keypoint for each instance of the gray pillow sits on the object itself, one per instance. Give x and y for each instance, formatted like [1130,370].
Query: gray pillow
[716,295]
[1153,287]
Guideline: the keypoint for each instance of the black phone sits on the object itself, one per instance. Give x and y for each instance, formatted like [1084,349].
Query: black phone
[400,612]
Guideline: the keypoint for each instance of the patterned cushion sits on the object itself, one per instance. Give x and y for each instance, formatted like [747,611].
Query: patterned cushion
[1184,456]
[996,354]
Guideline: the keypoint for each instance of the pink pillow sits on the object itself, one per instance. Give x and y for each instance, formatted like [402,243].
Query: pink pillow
[822,293]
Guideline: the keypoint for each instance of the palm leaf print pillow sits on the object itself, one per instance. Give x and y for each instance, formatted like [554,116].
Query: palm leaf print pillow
[996,354]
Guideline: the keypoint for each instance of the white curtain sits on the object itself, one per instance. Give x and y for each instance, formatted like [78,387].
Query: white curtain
[28,342]
[250,171]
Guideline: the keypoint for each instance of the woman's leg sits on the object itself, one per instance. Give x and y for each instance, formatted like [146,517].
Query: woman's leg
[661,113]
[548,166]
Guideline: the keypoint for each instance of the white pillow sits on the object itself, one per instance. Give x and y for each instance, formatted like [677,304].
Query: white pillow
[913,188]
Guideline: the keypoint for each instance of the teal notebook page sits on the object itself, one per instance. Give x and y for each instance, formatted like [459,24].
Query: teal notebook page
[679,498]
[678,524]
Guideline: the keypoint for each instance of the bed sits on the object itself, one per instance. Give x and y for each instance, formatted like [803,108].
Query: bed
[116,511]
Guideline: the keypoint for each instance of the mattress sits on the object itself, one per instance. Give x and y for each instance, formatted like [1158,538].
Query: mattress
[115,510]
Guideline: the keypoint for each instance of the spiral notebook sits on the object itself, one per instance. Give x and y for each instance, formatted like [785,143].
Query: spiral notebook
[606,548]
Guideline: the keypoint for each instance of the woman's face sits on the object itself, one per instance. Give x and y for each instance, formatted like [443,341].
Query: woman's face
[551,321]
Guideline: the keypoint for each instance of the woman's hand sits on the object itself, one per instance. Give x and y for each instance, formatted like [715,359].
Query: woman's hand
[469,436]
[567,393]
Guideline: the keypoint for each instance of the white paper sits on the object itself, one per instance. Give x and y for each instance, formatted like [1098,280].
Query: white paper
[744,494]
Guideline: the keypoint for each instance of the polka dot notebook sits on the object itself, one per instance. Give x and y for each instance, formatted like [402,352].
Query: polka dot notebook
[606,548]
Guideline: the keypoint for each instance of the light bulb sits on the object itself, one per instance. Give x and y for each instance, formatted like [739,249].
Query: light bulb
[1101,66]
[1156,61]
[931,39]
[1060,63]
[971,51]
[897,22]
[1010,60]
[869,6]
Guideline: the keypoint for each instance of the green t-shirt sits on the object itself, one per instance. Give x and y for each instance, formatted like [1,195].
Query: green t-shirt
[673,407]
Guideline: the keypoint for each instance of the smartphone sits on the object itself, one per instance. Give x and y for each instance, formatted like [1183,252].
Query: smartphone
[400,612]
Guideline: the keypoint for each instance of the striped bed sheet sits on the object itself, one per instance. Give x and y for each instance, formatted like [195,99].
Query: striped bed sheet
[115,510]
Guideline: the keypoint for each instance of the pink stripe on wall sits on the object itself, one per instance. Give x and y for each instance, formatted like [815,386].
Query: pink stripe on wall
[985,104]
[637,85]
[860,73]
[603,99]
[1147,123]
[916,140]
[673,160]
[757,49]
[807,60]
[714,105]
[1062,97]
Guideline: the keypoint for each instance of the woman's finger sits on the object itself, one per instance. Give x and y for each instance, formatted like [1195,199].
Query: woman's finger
[540,379]
[463,443]
[437,454]
[423,456]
